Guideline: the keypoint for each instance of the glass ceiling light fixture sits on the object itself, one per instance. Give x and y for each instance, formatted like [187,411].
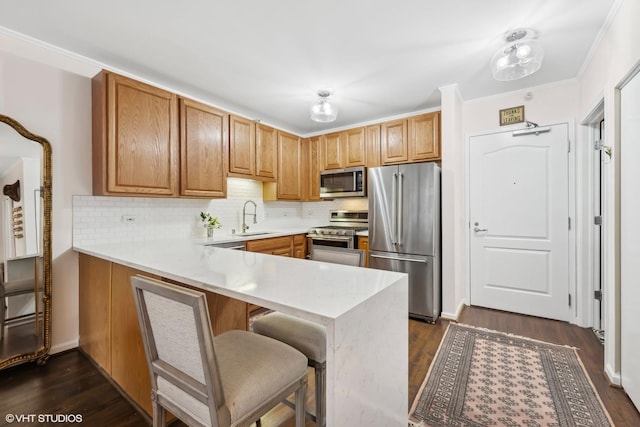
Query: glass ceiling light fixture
[324,111]
[521,56]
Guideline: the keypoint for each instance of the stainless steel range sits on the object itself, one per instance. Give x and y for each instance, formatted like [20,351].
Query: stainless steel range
[341,231]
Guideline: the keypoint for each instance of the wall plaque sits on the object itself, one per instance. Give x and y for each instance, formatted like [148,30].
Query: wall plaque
[512,115]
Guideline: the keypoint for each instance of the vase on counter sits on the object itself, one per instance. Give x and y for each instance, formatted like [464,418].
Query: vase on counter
[209,231]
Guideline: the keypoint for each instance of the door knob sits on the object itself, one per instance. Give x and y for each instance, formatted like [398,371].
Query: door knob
[478,229]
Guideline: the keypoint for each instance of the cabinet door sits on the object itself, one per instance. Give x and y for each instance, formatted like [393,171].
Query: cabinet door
[300,246]
[242,146]
[331,151]
[424,137]
[313,169]
[393,142]
[274,246]
[354,149]
[129,368]
[372,158]
[203,150]
[363,244]
[266,152]
[95,309]
[141,139]
[289,157]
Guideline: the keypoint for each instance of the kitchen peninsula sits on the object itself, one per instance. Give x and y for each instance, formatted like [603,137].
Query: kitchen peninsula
[364,312]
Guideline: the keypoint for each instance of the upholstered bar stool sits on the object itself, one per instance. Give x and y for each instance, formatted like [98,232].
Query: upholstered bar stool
[229,380]
[307,337]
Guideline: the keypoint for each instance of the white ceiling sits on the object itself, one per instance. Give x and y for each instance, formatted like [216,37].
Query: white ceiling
[266,59]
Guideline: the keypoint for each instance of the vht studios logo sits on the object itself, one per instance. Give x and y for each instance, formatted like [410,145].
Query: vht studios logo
[43,418]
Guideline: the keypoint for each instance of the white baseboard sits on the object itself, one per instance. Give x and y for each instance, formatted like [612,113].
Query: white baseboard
[454,316]
[60,347]
[612,376]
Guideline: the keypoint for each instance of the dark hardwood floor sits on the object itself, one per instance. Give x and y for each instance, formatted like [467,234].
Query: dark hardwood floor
[70,384]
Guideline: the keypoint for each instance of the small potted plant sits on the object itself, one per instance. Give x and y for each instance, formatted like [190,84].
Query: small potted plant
[210,222]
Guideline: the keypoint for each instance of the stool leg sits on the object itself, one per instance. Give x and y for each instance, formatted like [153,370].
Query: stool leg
[321,394]
[300,403]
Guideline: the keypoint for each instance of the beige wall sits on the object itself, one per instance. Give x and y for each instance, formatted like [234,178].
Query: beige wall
[56,105]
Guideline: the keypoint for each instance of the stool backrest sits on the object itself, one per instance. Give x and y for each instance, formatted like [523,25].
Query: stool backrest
[176,330]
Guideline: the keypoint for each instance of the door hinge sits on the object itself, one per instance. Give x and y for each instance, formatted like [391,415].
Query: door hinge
[597,220]
[597,145]
[569,223]
[569,300]
[568,146]
[597,295]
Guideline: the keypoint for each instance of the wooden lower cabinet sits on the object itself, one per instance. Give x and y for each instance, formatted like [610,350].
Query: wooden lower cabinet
[109,330]
[282,246]
[129,368]
[95,310]
[300,246]
[363,244]
[290,246]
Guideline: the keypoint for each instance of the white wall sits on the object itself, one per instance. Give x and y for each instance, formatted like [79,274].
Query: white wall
[56,105]
[612,60]
[454,254]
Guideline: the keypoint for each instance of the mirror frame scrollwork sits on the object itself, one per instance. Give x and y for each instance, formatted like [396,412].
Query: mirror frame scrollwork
[41,354]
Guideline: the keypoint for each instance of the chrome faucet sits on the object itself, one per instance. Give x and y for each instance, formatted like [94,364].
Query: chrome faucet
[245,227]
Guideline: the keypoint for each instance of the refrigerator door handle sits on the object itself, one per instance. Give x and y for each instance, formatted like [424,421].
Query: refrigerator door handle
[399,219]
[394,209]
[399,258]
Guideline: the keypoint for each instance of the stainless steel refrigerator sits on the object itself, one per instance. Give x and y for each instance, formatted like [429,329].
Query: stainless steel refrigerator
[404,230]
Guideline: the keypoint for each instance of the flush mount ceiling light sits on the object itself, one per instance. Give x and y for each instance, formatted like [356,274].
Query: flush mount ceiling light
[324,111]
[521,56]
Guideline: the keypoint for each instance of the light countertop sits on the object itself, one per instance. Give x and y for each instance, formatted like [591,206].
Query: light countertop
[317,291]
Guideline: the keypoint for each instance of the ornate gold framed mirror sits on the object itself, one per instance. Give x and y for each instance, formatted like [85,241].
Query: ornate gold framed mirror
[25,245]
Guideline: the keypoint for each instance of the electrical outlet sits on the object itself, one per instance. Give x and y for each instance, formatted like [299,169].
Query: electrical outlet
[127,219]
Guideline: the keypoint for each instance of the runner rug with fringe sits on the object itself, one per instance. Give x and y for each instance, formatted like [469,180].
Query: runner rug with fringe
[481,377]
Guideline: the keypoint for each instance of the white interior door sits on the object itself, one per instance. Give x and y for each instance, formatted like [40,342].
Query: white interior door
[519,222]
[629,239]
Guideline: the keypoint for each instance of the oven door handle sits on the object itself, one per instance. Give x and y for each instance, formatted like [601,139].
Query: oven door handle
[338,238]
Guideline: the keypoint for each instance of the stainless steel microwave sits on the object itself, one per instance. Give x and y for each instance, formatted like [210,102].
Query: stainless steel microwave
[348,182]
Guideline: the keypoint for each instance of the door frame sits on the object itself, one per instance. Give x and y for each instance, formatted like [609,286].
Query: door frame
[588,251]
[575,293]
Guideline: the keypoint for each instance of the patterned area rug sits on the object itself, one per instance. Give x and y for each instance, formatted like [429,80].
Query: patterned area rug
[487,378]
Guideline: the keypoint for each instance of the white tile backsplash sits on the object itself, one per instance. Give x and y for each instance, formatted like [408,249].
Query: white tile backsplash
[107,219]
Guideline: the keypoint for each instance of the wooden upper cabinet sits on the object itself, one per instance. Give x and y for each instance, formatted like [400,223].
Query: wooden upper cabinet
[415,139]
[424,137]
[343,149]
[354,147]
[289,166]
[266,152]
[313,168]
[332,151]
[372,158]
[204,136]
[135,138]
[242,146]
[393,142]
